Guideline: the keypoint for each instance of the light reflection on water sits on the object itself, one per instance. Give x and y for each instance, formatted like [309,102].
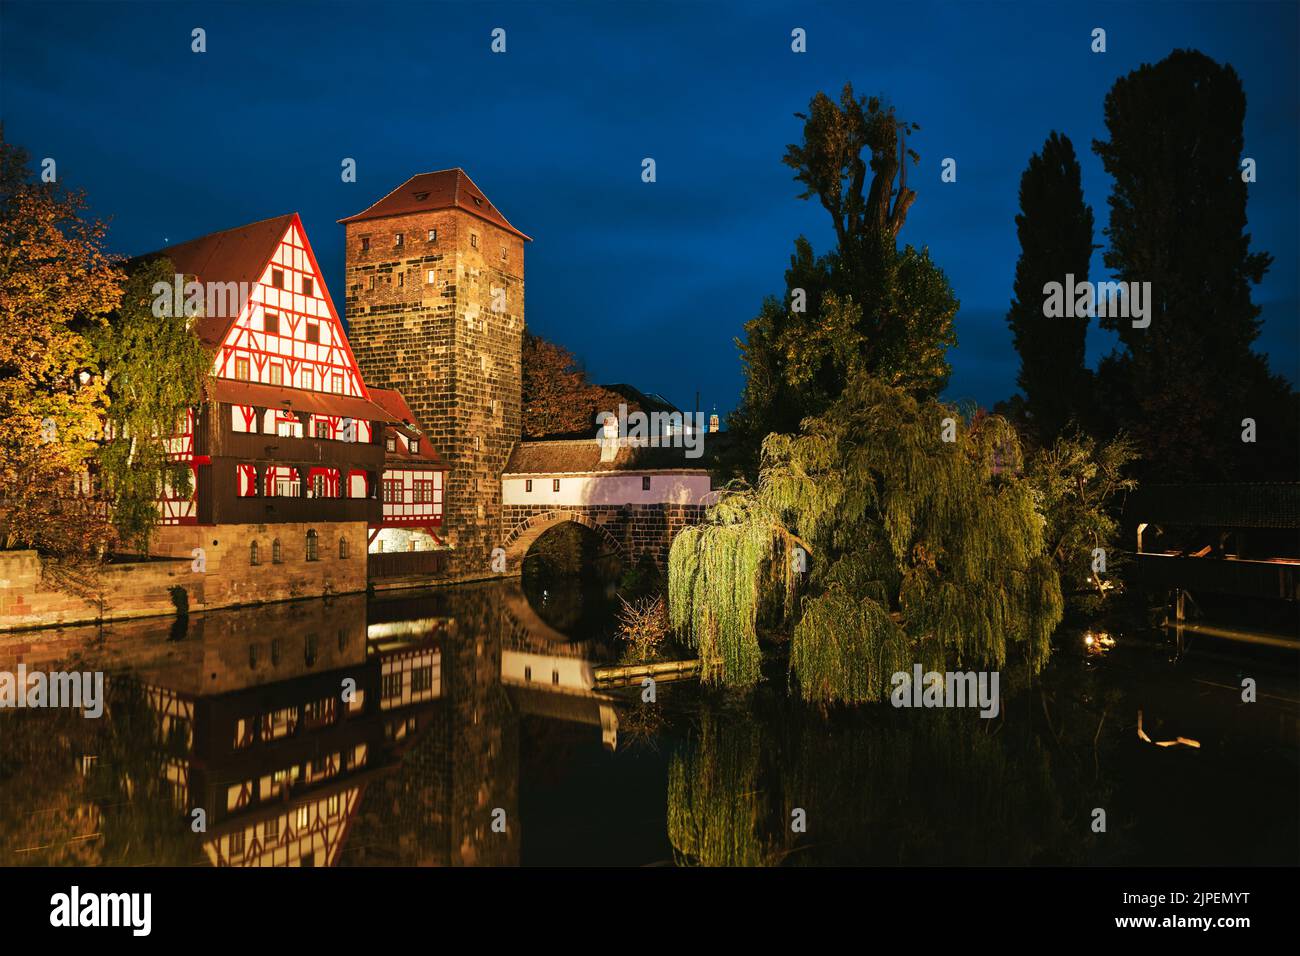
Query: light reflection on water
[473,735]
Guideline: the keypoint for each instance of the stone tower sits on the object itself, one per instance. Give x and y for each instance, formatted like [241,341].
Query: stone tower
[435,309]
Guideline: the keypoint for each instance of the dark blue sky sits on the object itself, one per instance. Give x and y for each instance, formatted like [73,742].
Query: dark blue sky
[645,283]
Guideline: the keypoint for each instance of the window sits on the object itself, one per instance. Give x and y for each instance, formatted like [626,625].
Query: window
[303,818]
[318,489]
[555,484]
[271,323]
[392,686]
[338,382]
[390,443]
[276,557]
[477,443]
[473,239]
[645,482]
[309,653]
[271,829]
[365,243]
[401,279]
[332,805]
[313,333]
[343,549]
[312,544]
[308,286]
[242,369]
[237,843]
[422,491]
[429,277]
[555,677]
[398,239]
[252,554]
[504,254]
[252,656]
[414,445]
[371,284]
[421,680]
[277,278]
[275,374]
[528,484]
[322,429]
[392,491]
[433,235]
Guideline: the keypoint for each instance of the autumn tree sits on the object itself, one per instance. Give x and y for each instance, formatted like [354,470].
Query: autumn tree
[1055,231]
[58,285]
[557,397]
[1185,384]
[865,304]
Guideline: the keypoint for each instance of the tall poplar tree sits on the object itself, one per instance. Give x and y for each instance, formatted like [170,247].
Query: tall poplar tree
[1184,385]
[1055,231]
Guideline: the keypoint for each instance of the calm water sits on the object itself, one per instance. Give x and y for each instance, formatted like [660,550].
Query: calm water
[475,737]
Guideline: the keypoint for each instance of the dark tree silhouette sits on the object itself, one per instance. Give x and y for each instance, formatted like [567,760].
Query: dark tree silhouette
[1055,231]
[1184,385]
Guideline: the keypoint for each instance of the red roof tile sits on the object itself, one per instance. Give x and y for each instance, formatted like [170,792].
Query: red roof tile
[238,392]
[445,189]
[399,412]
[234,255]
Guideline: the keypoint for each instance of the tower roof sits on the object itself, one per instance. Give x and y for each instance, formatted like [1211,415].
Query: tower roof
[444,189]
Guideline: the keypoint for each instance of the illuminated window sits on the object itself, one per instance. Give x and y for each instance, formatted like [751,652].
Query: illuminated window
[429,277]
[414,445]
[398,240]
[313,539]
[338,382]
[271,829]
[473,239]
[433,235]
[322,429]
[242,369]
[390,443]
[318,489]
[276,557]
[252,554]
[275,374]
[303,818]
[237,843]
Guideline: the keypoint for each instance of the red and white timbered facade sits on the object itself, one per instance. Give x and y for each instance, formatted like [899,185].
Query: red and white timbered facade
[289,430]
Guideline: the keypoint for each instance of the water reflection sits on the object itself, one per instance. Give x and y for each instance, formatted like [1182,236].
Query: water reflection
[464,727]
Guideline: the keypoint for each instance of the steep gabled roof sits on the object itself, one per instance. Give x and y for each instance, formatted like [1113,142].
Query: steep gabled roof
[233,255]
[444,189]
[582,457]
[399,412]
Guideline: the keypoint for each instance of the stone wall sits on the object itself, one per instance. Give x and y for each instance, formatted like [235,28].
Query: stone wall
[456,361]
[634,529]
[144,588]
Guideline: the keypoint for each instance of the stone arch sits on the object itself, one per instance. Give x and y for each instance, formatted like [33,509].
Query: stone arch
[523,535]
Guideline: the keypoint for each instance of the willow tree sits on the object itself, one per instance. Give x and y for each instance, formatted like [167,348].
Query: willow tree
[920,541]
[155,366]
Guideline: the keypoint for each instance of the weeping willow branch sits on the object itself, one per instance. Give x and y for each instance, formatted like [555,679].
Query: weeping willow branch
[929,549]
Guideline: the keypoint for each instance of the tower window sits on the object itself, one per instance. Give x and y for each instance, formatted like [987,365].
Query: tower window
[433,235]
[645,482]
[528,484]
[429,278]
[365,243]
[343,548]
[555,484]
[271,323]
[313,333]
[401,279]
[398,239]
[372,284]
[277,278]
[473,239]
[308,286]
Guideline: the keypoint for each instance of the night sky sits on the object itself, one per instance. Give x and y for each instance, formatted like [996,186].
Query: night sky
[646,283]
